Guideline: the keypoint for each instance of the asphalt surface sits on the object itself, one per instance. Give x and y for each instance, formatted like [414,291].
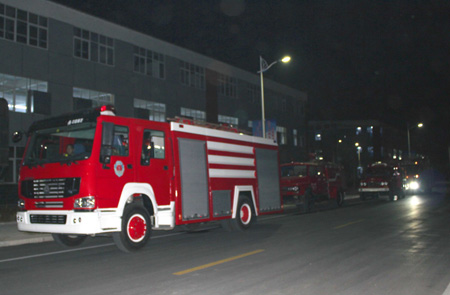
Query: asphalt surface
[372,247]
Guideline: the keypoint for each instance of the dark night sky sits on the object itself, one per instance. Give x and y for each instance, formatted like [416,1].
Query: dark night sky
[357,59]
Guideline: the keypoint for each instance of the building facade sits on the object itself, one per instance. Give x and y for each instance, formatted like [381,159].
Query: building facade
[355,144]
[56,60]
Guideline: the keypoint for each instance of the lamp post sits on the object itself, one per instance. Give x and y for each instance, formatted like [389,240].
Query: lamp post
[419,125]
[264,66]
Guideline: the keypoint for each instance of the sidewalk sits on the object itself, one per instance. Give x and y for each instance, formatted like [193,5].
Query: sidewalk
[11,236]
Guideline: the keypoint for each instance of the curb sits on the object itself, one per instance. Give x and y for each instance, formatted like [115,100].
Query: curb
[26,241]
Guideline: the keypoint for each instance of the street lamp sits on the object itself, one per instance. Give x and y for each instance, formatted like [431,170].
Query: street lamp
[264,66]
[420,125]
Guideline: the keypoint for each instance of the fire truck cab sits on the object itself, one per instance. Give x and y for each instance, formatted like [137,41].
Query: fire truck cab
[306,183]
[91,172]
[382,179]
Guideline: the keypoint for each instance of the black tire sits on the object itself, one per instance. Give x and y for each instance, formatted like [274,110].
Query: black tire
[136,229]
[245,215]
[69,240]
[362,196]
[340,198]
[308,201]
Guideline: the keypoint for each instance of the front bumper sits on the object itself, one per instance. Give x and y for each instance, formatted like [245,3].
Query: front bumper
[373,190]
[68,222]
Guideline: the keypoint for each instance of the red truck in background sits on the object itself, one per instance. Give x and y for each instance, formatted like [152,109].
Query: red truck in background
[304,183]
[382,179]
[91,172]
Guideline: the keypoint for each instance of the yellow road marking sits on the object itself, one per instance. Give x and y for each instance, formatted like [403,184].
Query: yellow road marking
[347,224]
[217,262]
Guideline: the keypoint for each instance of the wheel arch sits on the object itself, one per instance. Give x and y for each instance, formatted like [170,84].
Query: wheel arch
[138,190]
[243,190]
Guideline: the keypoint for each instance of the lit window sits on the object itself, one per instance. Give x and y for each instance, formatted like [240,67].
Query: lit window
[194,114]
[228,120]
[85,98]
[295,137]
[155,111]
[281,135]
[358,130]
[16,91]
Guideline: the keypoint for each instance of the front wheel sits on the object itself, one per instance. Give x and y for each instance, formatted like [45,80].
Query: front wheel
[340,198]
[68,240]
[244,215]
[136,228]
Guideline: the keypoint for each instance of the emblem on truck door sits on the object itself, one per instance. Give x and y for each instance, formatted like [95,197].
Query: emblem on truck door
[119,168]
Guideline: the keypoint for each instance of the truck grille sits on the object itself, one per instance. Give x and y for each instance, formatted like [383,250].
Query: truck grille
[50,188]
[48,219]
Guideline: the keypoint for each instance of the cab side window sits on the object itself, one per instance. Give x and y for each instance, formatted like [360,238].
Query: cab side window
[153,146]
[120,141]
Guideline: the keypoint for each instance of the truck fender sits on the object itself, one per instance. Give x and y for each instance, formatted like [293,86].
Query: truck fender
[136,188]
[237,190]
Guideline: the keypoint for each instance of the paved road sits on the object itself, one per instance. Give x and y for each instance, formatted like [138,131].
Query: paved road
[375,247]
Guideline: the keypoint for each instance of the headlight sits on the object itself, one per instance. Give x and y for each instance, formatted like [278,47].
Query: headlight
[293,189]
[84,203]
[384,183]
[363,184]
[21,205]
[414,185]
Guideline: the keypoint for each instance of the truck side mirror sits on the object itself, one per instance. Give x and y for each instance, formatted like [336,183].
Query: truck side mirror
[107,142]
[17,136]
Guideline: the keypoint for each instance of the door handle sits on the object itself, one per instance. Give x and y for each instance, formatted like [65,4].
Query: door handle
[166,168]
[129,166]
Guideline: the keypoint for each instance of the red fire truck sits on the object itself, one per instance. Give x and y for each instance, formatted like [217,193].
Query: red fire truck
[92,172]
[306,183]
[382,179]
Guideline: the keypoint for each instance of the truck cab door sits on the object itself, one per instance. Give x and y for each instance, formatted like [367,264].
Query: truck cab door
[155,166]
[117,166]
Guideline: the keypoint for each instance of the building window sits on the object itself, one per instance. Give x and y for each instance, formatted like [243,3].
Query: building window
[228,120]
[295,137]
[85,98]
[150,110]
[281,135]
[194,114]
[23,27]
[19,92]
[92,46]
[254,93]
[227,86]
[358,130]
[149,62]
[192,75]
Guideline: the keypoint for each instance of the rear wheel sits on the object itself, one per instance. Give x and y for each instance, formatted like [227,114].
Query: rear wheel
[244,215]
[340,198]
[136,228]
[68,240]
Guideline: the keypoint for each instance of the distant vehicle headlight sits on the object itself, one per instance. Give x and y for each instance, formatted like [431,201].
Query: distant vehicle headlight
[414,185]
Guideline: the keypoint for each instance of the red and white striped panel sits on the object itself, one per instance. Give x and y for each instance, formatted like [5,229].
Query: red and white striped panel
[230,160]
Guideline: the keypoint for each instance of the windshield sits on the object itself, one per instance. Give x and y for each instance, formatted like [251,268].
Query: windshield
[297,170]
[382,171]
[60,144]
